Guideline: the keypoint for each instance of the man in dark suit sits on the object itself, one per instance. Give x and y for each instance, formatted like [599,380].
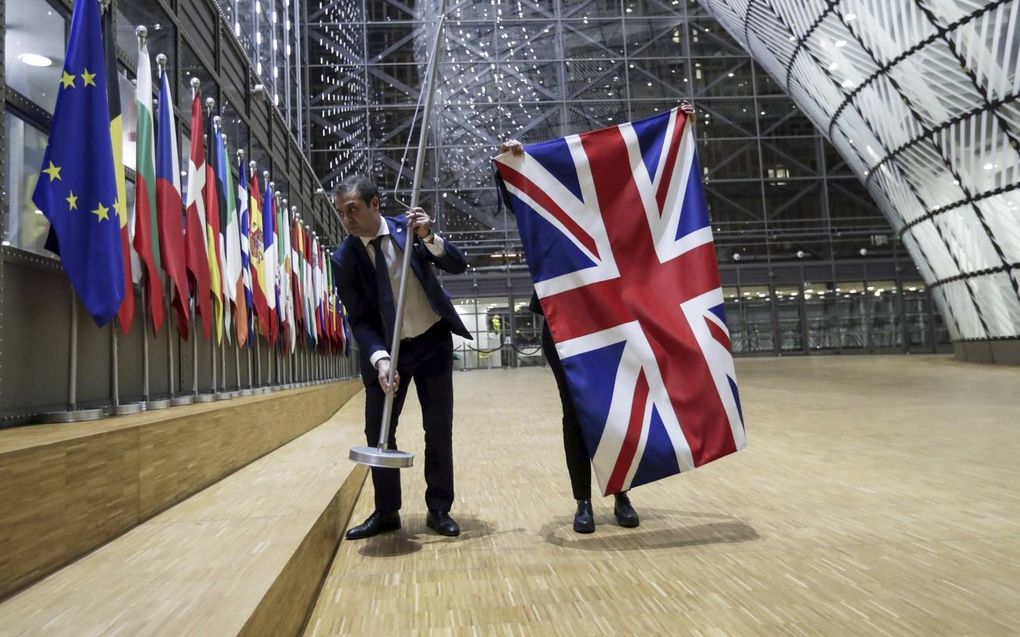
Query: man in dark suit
[367,269]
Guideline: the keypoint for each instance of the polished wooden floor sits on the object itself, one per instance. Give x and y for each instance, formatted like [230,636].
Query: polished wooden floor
[877,495]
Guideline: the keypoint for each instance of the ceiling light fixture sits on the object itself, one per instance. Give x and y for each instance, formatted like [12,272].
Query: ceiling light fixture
[34,59]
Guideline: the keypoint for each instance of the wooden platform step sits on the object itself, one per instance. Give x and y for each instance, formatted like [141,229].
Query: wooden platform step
[67,489]
[244,556]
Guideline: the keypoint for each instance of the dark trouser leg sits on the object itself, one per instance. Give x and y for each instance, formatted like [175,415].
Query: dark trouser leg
[385,481]
[433,379]
[578,462]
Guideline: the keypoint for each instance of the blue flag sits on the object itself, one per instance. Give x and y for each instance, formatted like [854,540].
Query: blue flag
[77,189]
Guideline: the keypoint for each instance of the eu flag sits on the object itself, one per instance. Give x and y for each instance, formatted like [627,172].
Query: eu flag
[76,188]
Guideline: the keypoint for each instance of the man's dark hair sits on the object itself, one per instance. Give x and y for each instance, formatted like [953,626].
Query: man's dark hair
[360,185]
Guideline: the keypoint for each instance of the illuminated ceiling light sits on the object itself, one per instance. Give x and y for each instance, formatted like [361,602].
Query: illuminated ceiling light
[34,59]
[840,44]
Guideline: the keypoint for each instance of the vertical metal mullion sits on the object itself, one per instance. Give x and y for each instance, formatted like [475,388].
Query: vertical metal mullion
[802,312]
[626,60]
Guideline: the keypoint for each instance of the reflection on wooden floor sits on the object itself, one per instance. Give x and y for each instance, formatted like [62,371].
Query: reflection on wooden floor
[878,495]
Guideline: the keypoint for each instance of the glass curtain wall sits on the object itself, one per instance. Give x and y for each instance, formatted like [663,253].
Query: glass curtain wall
[269,33]
[778,192]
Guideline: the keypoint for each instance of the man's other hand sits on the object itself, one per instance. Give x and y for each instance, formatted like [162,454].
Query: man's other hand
[513,146]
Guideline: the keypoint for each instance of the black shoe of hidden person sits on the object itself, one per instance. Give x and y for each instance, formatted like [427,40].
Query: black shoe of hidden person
[378,522]
[625,514]
[584,519]
[442,523]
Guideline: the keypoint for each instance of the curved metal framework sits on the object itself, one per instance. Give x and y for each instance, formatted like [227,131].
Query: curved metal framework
[922,99]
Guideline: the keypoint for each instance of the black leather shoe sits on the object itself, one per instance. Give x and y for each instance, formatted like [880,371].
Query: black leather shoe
[442,523]
[625,514]
[584,519]
[378,522]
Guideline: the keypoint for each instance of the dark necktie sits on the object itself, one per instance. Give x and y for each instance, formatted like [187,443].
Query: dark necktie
[385,290]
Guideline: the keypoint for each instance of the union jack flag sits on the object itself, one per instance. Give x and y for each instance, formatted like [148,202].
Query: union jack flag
[616,232]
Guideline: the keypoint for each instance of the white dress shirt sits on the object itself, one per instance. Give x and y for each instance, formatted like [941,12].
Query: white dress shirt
[418,313]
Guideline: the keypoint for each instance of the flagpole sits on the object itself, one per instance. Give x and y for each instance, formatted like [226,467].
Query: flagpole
[381,456]
[237,365]
[114,385]
[194,351]
[258,362]
[119,409]
[72,414]
[169,342]
[183,399]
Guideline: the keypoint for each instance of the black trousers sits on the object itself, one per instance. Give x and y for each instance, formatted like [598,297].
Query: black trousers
[578,462]
[427,360]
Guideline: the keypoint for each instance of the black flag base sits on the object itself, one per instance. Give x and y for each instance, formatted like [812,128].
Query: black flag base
[383,458]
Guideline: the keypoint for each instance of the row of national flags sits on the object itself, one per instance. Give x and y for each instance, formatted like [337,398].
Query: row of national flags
[231,250]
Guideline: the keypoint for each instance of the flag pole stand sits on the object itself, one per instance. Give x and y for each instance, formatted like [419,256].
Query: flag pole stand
[237,369]
[381,456]
[199,398]
[150,404]
[260,389]
[249,391]
[175,401]
[72,413]
[223,393]
[117,408]
[214,391]
[271,372]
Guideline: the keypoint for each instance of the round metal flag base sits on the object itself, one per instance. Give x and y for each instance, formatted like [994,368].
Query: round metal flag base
[385,458]
[128,408]
[153,405]
[205,398]
[78,415]
[246,392]
[180,401]
[222,395]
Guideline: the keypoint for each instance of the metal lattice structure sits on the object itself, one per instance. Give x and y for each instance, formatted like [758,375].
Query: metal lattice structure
[536,70]
[922,99]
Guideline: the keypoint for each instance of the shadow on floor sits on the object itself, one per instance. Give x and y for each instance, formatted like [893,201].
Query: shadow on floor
[413,534]
[660,529]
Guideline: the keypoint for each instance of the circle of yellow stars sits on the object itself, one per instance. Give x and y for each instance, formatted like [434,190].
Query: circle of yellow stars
[67,80]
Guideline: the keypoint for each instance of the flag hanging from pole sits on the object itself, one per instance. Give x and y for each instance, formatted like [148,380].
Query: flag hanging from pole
[126,314]
[146,238]
[77,187]
[296,275]
[257,248]
[233,284]
[214,237]
[169,210]
[245,231]
[269,260]
[197,246]
[286,278]
[616,231]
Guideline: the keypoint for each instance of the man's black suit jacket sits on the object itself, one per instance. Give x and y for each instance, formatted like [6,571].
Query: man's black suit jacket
[355,276]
